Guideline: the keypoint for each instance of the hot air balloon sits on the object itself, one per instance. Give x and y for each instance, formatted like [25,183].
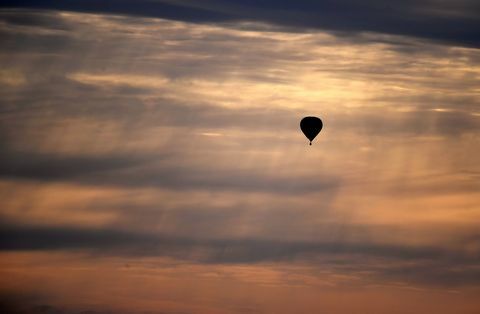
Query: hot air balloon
[311,126]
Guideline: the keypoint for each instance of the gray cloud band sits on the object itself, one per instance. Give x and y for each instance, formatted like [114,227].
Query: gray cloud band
[423,19]
[425,265]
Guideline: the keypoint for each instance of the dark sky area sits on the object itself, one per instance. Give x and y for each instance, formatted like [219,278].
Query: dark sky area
[455,22]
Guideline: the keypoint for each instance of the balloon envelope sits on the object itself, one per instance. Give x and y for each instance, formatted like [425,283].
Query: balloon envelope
[311,126]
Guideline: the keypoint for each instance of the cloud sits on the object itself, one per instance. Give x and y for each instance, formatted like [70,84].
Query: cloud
[109,131]
[425,265]
[22,303]
[44,20]
[97,121]
[131,171]
[15,304]
[448,21]
[50,167]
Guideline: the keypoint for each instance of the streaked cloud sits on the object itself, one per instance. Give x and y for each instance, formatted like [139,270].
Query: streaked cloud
[174,148]
[448,21]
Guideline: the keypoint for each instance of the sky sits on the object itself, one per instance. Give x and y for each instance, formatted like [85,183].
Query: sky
[151,160]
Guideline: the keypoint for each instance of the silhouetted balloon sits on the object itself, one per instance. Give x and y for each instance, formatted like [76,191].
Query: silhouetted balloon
[311,126]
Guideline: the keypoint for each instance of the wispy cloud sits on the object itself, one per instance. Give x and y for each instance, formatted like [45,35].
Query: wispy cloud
[449,21]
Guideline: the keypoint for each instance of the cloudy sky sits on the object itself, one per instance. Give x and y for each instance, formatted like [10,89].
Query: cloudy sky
[151,159]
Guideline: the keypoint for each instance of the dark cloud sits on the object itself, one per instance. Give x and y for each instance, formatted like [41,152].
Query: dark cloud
[431,265]
[47,167]
[445,274]
[211,178]
[141,8]
[449,21]
[141,172]
[415,123]
[35,19]
[23,304]
[19,303]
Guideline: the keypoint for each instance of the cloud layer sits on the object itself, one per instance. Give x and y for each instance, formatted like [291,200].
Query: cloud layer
[450,21]
[141,154]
